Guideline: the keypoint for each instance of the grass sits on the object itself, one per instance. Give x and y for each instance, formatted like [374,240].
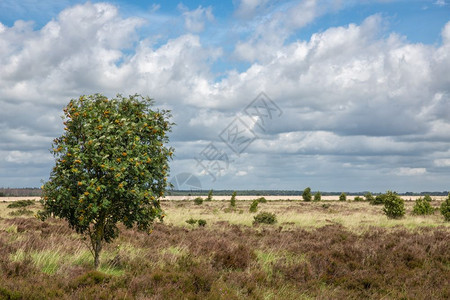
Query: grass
[346,250]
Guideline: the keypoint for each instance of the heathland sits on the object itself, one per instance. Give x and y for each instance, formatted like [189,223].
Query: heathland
[328,249]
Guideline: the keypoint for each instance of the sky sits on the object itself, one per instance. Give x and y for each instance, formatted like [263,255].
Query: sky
[335,95]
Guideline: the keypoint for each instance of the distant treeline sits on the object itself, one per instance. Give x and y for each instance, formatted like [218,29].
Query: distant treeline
[284,193]
[22,192]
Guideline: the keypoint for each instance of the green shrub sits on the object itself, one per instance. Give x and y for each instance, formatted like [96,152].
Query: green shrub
[264,218]
[343,197]
[368,196]
[427,198]
[198,201]
[307,194]
[191,221]
[8,294]
[445,209]
[394,206]
[326,205]
[210,196]
[201,223]
[233,200]
[21,203]
[317,196]
[378,200]
[422,207]
[254,206]
[262,200]
[358,199]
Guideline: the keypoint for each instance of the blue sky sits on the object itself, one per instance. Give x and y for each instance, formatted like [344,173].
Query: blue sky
[362,87]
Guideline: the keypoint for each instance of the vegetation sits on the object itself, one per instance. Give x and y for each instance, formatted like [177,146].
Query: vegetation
[422,206]
[369,197]
[265,218]
[358,199]
[111,167]
[198,201]
[445,208]
[210,196]
[378,200]
[233,200]
[317,196]
[394,206]
[307,194]
[254,206]
[311,253]
[343,197]
[21,203]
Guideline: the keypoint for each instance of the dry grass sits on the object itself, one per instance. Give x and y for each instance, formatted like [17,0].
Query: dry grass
[345,250]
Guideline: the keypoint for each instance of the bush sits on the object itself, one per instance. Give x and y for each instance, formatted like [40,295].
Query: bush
[201,223]
[191,221]
[254,206]
[198,201]
[368,196]
[378,200]
[422,207]
[233,200]
[262,200]
[307,194]
[343,197]
[394,206]
[445,209]
[21,203]
[358,199]
[317,196]
[264,218]
[210,196]
[427,198]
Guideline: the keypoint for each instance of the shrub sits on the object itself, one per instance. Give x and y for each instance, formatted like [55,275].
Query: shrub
[264,218]
[317,196]
[378,200]
[358,199]
[343,197]
[368,196]
[21,212]
[254,206]
[191,221]
[233,200]
[210,196]
[198,201]
[307,194]
[427,198]
[394,206]
[445,209]
[201,223]
[21,203]
[262,200]
[422,207]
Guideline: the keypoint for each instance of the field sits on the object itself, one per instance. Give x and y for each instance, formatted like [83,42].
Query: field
[325,250]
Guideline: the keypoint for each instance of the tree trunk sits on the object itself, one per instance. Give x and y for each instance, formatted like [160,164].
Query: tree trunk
[96,242]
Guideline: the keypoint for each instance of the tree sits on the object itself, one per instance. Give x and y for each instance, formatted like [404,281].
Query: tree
[111,166]
[394,206]
[317,196]
[307,194]
[343,197]
[422,206]
[233,199]
[210,196]
[445,208]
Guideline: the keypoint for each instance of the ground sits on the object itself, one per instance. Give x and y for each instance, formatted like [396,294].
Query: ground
[327,249]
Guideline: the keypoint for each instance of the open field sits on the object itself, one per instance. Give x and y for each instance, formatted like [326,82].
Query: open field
[326,250]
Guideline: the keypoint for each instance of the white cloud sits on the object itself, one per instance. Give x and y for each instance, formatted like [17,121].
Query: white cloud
[409,171]
[194,20]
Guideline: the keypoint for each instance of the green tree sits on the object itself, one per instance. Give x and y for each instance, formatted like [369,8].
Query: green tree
[369,197]
[445,208]
[394,206]
[111,166]
[307,194]
[422,207]
[210,196]
[343,197]
[233,199]
[317,196]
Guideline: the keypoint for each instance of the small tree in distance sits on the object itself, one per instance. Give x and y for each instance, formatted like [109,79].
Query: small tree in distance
[317,196]
[445,208]
[111,167]
[394,206]
[343,197]
[233,199]
[210,196]
[307,194]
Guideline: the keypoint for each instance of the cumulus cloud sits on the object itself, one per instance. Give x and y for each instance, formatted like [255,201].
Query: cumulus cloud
[356,101]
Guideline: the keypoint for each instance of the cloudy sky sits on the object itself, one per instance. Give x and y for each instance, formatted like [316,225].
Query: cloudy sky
[336,95]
